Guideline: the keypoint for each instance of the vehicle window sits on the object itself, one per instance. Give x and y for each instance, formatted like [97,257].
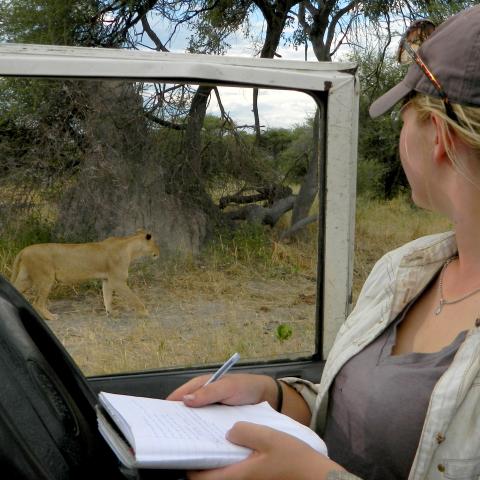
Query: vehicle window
[168,205]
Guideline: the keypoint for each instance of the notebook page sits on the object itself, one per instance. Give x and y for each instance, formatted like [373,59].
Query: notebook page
[164,430]
[167,431]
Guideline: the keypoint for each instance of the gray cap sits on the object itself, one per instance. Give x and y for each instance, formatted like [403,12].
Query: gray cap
[452,54]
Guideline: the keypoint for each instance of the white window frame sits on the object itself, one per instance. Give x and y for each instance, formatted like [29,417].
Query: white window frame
[337,82]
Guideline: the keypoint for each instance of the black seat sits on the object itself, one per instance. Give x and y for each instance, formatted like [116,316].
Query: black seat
[48,425]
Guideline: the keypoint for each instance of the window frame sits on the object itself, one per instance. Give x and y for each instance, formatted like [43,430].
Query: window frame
[334,86]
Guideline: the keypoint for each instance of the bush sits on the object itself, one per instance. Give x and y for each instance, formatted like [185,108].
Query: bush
[34,229]
[370,178]
[247,244]
[253,249]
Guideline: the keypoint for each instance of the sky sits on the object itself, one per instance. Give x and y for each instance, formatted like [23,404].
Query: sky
[277,108]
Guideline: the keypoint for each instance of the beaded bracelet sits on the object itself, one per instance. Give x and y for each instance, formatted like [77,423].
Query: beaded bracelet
[279,395]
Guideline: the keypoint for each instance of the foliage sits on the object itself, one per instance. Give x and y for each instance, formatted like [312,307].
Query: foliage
[52,22]
[33,229]
[231,156]
[251,248]
[39,126]
[295,157]
[283,332]
[231,159]
[439,10]
[213,27]
[247,244]
[379,170]
[45,125]
[371,178]
[40,119]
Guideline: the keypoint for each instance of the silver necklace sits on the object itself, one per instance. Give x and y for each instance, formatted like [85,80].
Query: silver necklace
[443,301]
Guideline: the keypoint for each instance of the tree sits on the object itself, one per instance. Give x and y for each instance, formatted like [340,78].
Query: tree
[328,25]
[178,113]
[102,130]
[51,22]
[378,139]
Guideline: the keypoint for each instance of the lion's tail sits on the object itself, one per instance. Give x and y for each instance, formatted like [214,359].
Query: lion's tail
[15,268]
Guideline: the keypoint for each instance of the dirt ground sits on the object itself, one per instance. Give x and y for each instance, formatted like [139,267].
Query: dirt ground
[196,321]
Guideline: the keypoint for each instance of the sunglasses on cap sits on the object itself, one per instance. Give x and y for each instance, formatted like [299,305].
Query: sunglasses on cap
[410,42]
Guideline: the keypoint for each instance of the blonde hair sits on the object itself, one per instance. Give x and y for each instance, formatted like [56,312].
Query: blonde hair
[468,128]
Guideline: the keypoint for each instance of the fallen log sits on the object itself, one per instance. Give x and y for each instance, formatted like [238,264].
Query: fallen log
[298,226]
[270,194]
[263,215]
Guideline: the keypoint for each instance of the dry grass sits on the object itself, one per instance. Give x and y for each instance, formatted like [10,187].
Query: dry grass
[233,298]
[197,317]
[384,225]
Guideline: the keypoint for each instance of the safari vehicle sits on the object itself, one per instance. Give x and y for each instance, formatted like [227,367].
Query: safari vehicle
[52,370]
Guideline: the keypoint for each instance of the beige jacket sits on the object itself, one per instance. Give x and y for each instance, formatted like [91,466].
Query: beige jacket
[449,446]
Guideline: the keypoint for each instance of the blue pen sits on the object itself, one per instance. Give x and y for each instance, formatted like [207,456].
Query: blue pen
[224,368]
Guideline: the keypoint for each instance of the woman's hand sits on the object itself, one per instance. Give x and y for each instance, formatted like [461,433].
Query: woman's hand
[232,389]
[276,456]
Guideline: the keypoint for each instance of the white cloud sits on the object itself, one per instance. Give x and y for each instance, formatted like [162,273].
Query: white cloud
[277,108]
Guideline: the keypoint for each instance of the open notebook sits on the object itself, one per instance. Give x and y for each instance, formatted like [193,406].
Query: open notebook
[153,433]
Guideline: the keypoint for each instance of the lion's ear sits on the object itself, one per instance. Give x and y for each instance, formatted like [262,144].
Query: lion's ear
[148,236]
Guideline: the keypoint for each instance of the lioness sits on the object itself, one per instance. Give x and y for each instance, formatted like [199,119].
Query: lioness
[38,266]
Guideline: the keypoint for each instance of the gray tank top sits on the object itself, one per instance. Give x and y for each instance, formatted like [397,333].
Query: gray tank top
[378,403]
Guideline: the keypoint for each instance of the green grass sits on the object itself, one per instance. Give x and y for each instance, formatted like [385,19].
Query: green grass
[252,250]
[15,236]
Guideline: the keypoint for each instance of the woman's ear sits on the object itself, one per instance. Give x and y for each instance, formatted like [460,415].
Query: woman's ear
[442,139]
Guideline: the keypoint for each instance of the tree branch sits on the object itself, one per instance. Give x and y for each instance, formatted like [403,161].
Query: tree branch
[266,8]
[164,123]
[333,23]
[340,42]
[153,36]
[298,226]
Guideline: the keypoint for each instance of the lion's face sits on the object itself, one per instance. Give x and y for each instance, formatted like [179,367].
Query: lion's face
[151,247]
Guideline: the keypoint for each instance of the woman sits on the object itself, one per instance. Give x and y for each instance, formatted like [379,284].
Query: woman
[400,393]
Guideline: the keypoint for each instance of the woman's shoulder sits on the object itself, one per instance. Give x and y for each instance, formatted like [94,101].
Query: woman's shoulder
[379,288]
[434,246]
[421,251]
